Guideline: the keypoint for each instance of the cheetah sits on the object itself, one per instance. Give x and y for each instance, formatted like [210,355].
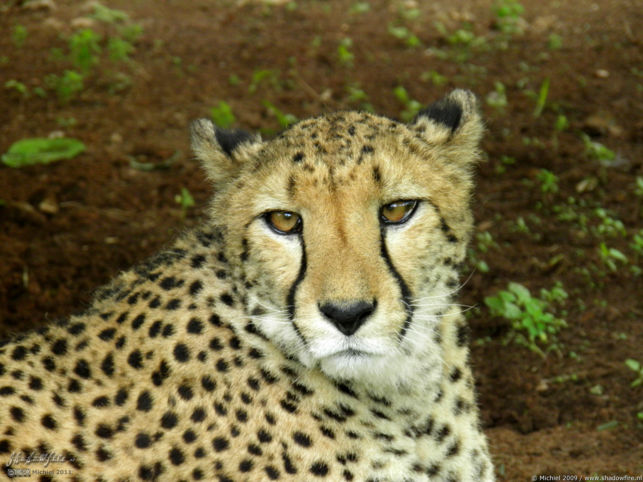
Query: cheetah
[307,329]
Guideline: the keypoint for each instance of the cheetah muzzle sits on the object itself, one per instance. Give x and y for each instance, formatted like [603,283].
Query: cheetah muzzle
[306,329]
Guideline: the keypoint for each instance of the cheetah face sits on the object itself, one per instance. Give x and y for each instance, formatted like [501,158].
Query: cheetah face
[345,233]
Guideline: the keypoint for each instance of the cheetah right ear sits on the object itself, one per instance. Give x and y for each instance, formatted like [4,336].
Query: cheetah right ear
[221,151]
[453,123]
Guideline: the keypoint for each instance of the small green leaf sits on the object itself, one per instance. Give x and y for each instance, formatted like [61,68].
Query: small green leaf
[607,426]
[284,119]
[512,311]
[109,15]
[542,97]
[616,254]
[495,304]
[633,364]
[521,292]
[27,152]
[185,199]
[596,390]
[222,115]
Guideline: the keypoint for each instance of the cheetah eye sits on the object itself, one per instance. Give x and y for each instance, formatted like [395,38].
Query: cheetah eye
[283,222]
[397,212]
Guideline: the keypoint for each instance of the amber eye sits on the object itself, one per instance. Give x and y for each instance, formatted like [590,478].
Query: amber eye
[398,212]
[283,222]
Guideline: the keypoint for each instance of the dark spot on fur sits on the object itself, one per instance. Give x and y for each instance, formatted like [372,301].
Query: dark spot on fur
[220,444]
[82,369]
[462,334]
[48,422]
[302,439]
[319,469]
[144,402]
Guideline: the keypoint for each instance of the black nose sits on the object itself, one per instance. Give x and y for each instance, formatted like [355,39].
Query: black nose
[348,316]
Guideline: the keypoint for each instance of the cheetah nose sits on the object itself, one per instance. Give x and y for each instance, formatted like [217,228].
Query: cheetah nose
[348,316]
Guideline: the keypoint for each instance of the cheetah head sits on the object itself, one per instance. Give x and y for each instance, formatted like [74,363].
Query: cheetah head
[345,233]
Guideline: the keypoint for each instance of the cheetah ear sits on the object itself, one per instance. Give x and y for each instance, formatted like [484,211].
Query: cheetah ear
[454,122]
[221,151]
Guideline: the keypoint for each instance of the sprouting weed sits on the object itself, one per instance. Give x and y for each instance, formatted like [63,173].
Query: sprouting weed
[531,321]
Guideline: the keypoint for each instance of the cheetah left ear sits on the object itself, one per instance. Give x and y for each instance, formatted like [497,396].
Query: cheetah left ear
[221,151]
[453,122]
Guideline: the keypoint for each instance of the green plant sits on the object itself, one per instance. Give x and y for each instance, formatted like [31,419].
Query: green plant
[521,226]
[484,241]
[554,41]
[65,86]
[462,36]
[637,243]
[556,294]
[84,48]
[222,115]
[154,166]
[119,49]
[356,95]
[403,33]
[548,181]
[608,426]
[505,161]
[597,390]
[560,125]
[131,32]
[17,86]
[19,35]
[637,368]
[66,122]
[118,82]
[284,120]
[596,150]
[108,15]
[434,77]
[344,54]
[638,190]
[408,13]
[498,97]
[461,43]
[610,256]
[27,152]
[528,314]
[234,80]
[316,42]
[56,54]
[542,97]
[508,16]
[571,212]
[359,7]
[186,201]
[411,106]
[258,76]
[609,226]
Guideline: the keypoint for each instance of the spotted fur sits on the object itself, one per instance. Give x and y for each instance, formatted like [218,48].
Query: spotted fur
[335,352]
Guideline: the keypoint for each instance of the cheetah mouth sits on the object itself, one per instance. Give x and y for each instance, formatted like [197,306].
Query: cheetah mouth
[350,353]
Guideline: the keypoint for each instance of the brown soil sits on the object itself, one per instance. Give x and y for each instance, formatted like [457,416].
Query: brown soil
[67,227]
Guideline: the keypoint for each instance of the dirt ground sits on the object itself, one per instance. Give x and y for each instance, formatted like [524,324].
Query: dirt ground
[547,199]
